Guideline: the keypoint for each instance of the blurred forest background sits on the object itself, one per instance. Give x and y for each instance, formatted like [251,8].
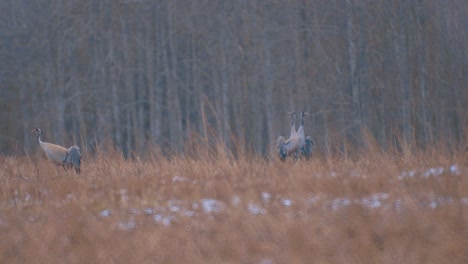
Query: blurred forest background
[132,75]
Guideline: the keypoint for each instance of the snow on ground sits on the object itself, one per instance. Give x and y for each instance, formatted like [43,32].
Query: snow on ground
[452,170]
[177,209]
[171,211]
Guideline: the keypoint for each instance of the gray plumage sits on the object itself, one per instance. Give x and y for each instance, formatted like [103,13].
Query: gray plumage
[73,159]
[297,144]
[290,146]
[306,150]
[287,147]
[306,142]
[67,158]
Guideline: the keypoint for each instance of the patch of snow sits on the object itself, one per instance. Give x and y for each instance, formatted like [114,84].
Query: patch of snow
[174,205]
[454,170]
[371,202]
[105,213]
[148,211]
[266,197]
[179,179]
[255,209]
[158,218]
[167,220]
[406,174]
[433,172]
[212,205]
[287,202]
[175,208]
[127,225]
[427,173]
[340,202]
[188,213]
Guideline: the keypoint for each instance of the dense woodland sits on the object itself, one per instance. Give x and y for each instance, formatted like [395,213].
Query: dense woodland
[132,75]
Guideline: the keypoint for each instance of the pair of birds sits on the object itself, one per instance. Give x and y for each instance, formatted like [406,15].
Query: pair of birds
[67,158]
[297,144]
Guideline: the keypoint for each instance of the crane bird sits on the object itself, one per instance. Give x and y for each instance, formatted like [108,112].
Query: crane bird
[287,147]
[306,142]
[67,158]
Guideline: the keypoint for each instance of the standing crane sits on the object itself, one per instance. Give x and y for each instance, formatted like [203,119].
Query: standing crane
[67,158]
[291,145]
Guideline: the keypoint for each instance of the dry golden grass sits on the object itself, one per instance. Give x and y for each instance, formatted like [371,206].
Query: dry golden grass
[212,209]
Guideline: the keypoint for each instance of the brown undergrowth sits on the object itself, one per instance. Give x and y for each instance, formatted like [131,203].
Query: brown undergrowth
[376,208]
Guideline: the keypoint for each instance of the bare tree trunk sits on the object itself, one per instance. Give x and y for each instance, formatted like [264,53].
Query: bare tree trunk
[128,92]
[114,87]
[268,83]
[141,96]
[154,93]
[357,41]
[422,73]
[175,122]
[225,73]
[157,89]
[352,53]
[401,52]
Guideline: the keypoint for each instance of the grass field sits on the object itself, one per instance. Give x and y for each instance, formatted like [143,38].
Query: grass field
[378,208]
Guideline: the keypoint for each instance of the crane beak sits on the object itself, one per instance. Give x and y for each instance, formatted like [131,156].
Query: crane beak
[33,130]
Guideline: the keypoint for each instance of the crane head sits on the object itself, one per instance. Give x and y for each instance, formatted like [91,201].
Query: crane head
[292,113]
[37,129]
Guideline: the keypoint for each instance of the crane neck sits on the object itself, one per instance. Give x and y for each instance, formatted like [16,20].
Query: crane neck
[39,133]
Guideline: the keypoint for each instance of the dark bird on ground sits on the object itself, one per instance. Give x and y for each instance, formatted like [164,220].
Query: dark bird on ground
[67,158]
